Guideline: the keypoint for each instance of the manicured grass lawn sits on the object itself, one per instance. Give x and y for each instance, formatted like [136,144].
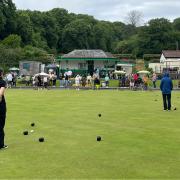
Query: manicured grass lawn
[139,139]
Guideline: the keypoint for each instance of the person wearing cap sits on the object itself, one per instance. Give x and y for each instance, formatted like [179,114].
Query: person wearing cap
[2,110]
[166,87]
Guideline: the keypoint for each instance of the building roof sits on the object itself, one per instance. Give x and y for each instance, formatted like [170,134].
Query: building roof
[88,54]
[171,53]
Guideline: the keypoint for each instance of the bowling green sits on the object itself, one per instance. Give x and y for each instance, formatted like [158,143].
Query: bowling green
[139,139]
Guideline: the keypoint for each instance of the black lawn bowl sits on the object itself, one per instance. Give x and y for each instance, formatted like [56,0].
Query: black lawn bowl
[25,133]
[175,109]
[41,139]
[32,124]
[99,115]
[98,138]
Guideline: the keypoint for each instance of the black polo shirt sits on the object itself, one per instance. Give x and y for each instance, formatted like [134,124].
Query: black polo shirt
[3,102]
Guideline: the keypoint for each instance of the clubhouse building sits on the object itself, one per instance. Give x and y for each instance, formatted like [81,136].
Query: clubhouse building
[88,61]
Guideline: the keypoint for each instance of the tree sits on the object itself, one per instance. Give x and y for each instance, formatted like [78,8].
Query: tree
[118,28]
[38,41]
[134,18]
[12,41]
[103,34]
[128,46]
[155,37]
[7,18]
[10,57]
[50,30]
[2,21]
[61,16]
[36,54]
[24,27]
[176,24]
[77,35]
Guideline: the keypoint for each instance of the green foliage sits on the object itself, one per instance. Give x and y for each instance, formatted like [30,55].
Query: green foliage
[77,35]
[127,46]
[35,54]
[59,31]
[12,41]
[39,41]
[176,24]
[24,27]
[155,37]
[10,56]
[8,22]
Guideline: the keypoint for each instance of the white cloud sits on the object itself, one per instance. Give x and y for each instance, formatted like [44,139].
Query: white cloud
[113,10]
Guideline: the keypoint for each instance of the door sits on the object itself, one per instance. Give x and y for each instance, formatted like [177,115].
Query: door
[91,67]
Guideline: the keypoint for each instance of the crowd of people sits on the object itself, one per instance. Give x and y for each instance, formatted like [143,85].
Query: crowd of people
[134,81]
[11,79]
[80,81]
[67,79]
[44,81]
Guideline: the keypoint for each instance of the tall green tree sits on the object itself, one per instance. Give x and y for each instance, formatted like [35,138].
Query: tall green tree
[7,18]
[155,37]
[103,34]
[77,35]
[24,27]
[12,41]
[50,30]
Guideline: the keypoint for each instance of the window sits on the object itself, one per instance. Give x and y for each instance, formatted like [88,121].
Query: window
[26,66]
[82,65]
[119,68]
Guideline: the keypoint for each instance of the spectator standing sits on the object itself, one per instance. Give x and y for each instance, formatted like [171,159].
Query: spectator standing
[45,81]
[166,87]
[27,79]
[77,81]
[14,75]
[123,81]
[89,80]
[54,77]
[34,81]
[154,78]
[135,77]
[9,80]
[61,79]
[83,80]
[66,80]
[96,83]
[107,80]
[145,82]
[39,81]
[131,82]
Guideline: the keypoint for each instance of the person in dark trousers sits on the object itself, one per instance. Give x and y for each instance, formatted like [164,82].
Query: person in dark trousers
[96,83]
[123,81]
[166,87]
[2,110]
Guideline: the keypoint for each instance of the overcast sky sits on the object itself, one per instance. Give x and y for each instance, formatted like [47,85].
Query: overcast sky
[110,10]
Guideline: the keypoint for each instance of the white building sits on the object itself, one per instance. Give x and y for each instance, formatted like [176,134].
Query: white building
[169,60]
[156,67]
[124,67]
